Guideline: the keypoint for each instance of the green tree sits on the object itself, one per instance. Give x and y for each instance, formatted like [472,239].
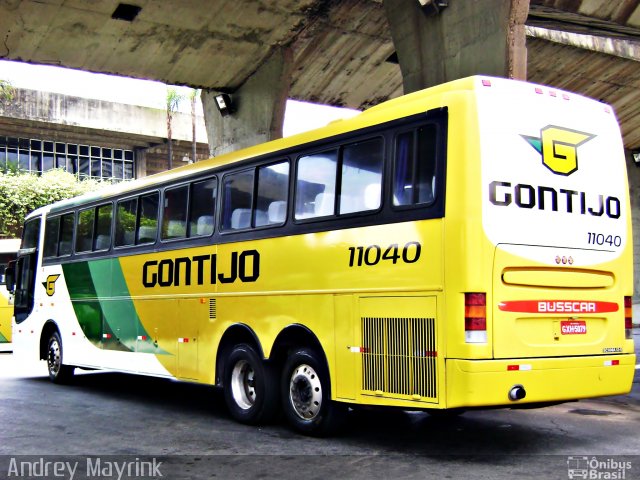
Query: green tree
[22,193]
[7,91]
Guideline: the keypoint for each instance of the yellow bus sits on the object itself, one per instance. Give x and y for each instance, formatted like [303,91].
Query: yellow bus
[8,249]
[464,246]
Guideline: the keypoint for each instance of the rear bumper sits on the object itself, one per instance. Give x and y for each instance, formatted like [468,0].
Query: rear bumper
[482,383]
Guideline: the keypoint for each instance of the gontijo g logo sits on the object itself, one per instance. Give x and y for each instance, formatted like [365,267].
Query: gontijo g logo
[50,284]
[559,148]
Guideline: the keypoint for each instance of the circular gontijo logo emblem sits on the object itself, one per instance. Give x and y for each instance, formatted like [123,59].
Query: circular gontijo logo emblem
[559,148]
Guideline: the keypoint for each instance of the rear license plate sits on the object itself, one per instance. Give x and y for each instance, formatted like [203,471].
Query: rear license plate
[573,327]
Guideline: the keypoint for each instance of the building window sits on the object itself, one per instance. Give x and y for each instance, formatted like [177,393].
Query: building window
[85,161]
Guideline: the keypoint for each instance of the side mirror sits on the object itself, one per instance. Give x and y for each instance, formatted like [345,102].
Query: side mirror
[10,276]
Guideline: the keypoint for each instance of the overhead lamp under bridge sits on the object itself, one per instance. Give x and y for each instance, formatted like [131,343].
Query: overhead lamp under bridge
[433,7]
[225,104]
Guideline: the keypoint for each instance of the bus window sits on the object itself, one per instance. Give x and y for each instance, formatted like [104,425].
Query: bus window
[271,201]
[238,195]
[174,213]
[31,234]
[104,213]
[66,234]
[203,201]
[51,231]
[361,176]
[316,185]
[126,222]
[414,167]
[84,237]
[148,226]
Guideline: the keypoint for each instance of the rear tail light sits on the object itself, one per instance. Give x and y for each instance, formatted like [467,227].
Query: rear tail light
[475,317]
[628,318]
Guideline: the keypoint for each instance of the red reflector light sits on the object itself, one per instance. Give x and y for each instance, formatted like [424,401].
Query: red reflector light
[628,318]
[486,83]
[525,367]
[539,91]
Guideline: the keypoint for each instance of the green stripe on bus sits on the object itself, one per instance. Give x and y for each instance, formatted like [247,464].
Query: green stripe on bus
[82,293]
[105,311]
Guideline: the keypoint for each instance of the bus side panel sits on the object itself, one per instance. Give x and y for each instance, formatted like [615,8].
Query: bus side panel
[345,332]
[315,280]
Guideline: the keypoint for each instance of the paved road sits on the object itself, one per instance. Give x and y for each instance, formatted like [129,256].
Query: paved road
[186,427]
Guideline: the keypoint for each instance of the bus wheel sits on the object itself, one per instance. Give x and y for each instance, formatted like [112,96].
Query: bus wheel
[306,395]
[58,372]
[250,386]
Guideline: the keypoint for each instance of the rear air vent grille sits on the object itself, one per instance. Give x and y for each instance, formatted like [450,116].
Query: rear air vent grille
[399,357]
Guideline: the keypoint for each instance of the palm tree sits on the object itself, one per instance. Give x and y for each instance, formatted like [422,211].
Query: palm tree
[173,100]
[193,96]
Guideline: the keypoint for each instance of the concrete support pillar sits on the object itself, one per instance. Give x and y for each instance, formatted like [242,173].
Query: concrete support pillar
[468,37]
[140,162]
[633,174]
[259,107]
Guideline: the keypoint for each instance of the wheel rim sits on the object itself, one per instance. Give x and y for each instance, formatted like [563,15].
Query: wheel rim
[243,386]
[54,357]
[305,392]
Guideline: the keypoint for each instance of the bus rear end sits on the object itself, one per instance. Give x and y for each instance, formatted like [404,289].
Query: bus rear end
[554,322]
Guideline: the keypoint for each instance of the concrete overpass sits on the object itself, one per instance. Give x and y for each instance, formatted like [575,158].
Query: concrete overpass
[353,53]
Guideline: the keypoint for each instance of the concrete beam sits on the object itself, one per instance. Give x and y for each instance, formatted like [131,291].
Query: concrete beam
[99,115]
[467,38]
[259,107]
[617,47]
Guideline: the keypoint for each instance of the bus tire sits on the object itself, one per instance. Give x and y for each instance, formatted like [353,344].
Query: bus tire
[58,371]
[306,395]
[250,386]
